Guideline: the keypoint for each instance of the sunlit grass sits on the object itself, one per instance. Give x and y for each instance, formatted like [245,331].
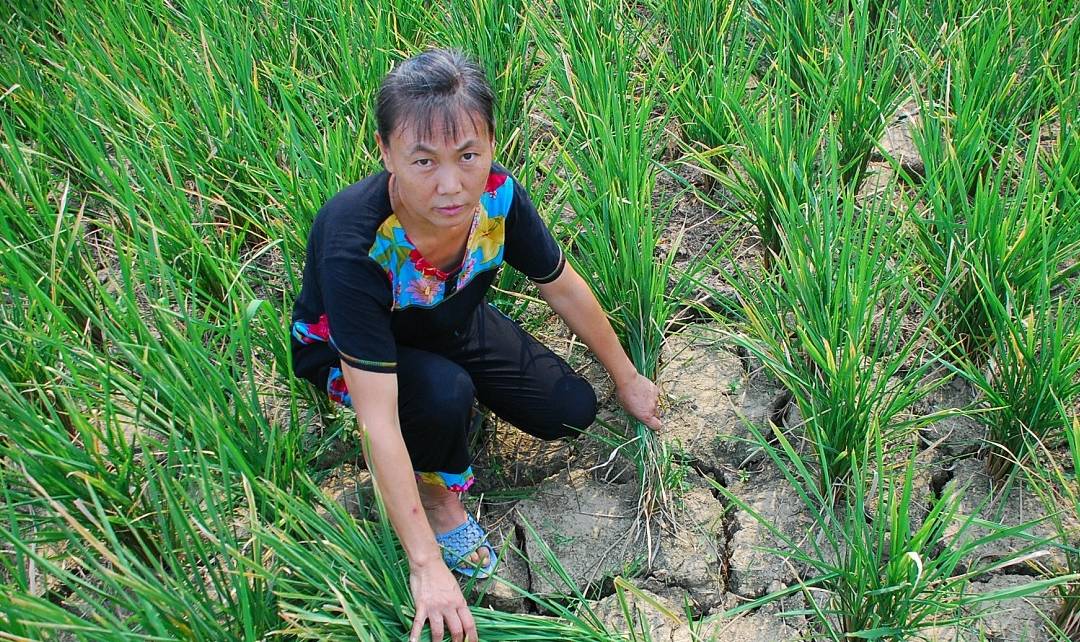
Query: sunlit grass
[837,325]
[161,165]
[611,135]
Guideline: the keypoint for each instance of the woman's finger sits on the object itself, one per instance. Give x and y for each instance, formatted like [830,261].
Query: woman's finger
[468,624]
[453,622]
[417,626]
[436,621]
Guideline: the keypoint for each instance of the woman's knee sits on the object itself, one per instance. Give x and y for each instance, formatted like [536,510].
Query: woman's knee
[440,397]
[453,395]
[573,406]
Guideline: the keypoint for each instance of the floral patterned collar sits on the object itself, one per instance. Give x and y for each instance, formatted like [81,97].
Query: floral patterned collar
[425,267]
[415,281]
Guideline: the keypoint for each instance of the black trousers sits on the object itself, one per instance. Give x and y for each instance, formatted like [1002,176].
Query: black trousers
[493,360]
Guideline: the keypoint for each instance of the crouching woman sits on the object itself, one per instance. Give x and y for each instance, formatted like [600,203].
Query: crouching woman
[392,321]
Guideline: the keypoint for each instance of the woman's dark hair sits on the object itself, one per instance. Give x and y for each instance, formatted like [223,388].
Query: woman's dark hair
[431,89]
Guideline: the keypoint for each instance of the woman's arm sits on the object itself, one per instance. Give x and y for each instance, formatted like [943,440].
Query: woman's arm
[435,591]
[570,297]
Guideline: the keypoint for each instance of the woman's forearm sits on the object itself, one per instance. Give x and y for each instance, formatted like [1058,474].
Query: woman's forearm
[570,297]
[572,300]
[390,464]
[391,468]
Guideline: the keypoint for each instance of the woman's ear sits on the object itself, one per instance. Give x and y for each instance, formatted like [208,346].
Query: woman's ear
[384,153]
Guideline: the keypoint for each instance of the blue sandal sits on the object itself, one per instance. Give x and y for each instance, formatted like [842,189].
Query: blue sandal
[461,542]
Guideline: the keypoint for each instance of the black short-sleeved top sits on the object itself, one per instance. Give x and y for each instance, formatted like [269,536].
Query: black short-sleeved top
[367,288]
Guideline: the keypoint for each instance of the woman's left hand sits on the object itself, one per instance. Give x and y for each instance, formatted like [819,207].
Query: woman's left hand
[641,398]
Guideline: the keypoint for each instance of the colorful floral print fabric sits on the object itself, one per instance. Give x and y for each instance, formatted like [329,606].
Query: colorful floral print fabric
[418,283]
[308,333]
[455,482]
[336,388]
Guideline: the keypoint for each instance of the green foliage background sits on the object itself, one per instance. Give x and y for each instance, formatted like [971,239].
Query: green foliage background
[161,162]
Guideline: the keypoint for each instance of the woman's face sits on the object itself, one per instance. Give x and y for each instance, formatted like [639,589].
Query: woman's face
[439,179]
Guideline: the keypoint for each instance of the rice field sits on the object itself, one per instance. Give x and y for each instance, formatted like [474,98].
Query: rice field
[874,207]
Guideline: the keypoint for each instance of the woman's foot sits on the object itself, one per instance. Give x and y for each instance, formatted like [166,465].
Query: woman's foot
[445,513]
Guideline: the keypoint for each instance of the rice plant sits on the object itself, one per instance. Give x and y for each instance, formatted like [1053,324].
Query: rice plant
[1068,616]
[610,132]
[997,59]
[1032,379]
[1062,165]
[352,584]
[842,58]
[1005,242]
[980,90]
[194,579]
[874,574]
[712,68]
[233,148]
[795,34]
[611,139]
[867,85]
[116,516]
[1003,256]
[1054,480]
[777,159]
[830,323]
[832,67]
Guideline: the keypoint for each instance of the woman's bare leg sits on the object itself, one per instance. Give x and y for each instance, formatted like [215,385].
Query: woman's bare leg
[445,513]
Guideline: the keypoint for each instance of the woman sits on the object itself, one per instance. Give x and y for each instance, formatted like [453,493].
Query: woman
[391,320]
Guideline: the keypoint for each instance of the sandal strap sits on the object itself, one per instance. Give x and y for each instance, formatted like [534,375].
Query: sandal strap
[460,542]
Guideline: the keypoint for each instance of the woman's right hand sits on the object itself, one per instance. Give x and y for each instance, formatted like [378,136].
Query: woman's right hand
[439,601]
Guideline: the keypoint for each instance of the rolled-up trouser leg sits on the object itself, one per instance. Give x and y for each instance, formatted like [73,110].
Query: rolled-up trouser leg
[435,401]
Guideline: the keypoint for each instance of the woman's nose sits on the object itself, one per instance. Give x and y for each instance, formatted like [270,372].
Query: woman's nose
[449,180]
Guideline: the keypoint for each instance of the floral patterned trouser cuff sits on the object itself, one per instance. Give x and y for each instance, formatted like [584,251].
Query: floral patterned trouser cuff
[456,482]
[336,388]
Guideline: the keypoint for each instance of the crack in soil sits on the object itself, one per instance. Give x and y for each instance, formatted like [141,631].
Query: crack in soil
[521,543]
[730,524]
[939,478]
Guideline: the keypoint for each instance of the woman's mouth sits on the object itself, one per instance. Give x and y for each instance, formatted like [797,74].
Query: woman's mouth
[450,210]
